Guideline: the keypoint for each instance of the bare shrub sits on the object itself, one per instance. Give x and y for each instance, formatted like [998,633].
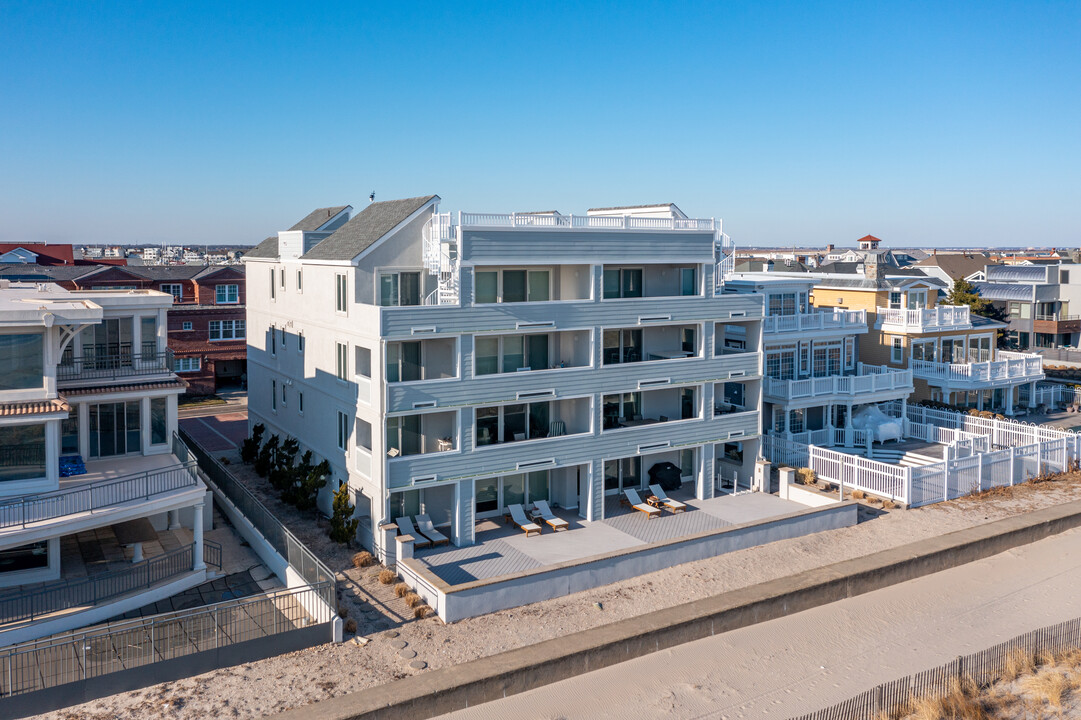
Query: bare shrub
[806,476]
[1049,685]
[351,626]
[401,589]
[363,559]
[387,576]
[960,702]
[858,495]
[412,599]
[343,612]
[889,505]
[421,611]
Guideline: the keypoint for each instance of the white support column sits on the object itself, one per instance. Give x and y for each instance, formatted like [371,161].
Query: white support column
[704,482]
[1032,394]
[1009,400]
[84,430]
[144,421]
[594,500]
[464,523]
[979,399]
[174,520]
[52,452]
[786,412]
[848,425]
[197,531]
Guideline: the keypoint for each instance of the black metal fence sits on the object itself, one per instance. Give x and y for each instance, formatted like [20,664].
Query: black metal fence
[982,667]
[96,589]
[87,497]
[115,364]
[310,567]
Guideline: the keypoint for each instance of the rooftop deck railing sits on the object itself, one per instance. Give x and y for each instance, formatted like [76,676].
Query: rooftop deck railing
[868,379]
[114,365]
[1009,366]
[937,318]
[820,320]
[92,496]
[599,222]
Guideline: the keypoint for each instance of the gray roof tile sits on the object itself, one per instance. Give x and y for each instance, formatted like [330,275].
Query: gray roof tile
[266,249]
[366,228]
[318,218]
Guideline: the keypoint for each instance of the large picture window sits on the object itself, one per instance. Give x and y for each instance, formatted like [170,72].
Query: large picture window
[227,329]
[229,294]
[513,285]
[399,289]
[22,452]
[21,361]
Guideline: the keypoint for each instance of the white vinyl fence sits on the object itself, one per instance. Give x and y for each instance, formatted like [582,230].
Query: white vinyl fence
[983,453]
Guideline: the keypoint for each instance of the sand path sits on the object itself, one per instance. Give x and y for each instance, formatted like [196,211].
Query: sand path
[813,659]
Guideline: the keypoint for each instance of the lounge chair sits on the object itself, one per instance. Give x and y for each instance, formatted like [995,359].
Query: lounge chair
[424,523]
[637,504]
[405,527]
[517,514]
[673,505]
[549,517]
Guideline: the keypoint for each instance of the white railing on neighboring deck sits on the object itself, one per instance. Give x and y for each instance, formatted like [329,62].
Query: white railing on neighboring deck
[869,379]
[941,317]
[819,320]
[602,222]
[1009,366]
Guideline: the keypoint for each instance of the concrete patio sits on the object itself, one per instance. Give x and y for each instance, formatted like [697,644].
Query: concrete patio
[504,549]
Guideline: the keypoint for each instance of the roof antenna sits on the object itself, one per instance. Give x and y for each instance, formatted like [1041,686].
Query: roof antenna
[371,198]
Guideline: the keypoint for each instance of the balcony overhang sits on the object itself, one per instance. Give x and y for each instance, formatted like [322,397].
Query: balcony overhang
[54,409]
[1057,327]
[175,385]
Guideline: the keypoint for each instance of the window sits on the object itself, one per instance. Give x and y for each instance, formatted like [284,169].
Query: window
[621,407]
[362,363]
[622,283]
[186,364]
[22,361]
[782,304]
[688,281]
[895,300]
[176,290]
[159,424]
[300,281]
[1021,310]
[795,421]
[283,278]
[273,340]
[509,286]
[399,289]
[403,361]
[781,363]
[186,325]
[511,353]
[230,294]
[364,435]
[622,346]
[340,296]
[300,341]
[896,350]
[917,299]
[513,423]
[283,336]
[341,360]
[26,557]
[284,397]
[923,350]
[232,330]
[1064,277]
[300,403]
[22,452]
[273,288]
[274,395]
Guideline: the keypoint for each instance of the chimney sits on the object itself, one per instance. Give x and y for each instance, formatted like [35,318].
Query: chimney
[829,248]
[934,251]
[872,269]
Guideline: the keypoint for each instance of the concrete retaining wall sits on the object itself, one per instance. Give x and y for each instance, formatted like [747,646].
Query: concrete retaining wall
[453,688]
[457,602]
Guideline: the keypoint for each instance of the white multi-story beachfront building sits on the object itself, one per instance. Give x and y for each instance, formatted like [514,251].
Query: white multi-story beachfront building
[814,379]
[457,364]
[93,503]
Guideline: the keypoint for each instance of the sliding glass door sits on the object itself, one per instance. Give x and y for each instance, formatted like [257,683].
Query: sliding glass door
[115,429]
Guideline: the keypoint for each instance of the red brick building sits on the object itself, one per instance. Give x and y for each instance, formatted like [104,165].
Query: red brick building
[206,322]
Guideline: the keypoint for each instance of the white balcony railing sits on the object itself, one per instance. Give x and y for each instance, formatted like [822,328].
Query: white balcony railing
[869,379]
[1009,366]
[820,320]
[941,317]
[602,222]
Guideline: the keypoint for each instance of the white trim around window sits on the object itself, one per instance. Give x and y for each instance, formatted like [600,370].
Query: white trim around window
[227,330]
[228,294]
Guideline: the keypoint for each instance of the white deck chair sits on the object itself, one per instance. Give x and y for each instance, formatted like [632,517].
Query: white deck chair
[517,514]
[673,505]
[637,504]
[424,523]
[556,523]
[405,527]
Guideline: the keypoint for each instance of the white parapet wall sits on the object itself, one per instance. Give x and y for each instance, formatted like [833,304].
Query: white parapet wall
[458,602]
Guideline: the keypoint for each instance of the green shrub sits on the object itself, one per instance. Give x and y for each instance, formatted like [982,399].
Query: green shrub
[249,449]
[343,526]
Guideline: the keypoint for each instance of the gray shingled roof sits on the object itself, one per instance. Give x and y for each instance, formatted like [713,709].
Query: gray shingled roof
[317,218]
[366,228]
[266,249]
[41,273]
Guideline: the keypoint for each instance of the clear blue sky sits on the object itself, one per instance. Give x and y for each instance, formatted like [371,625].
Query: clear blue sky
[924,123]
